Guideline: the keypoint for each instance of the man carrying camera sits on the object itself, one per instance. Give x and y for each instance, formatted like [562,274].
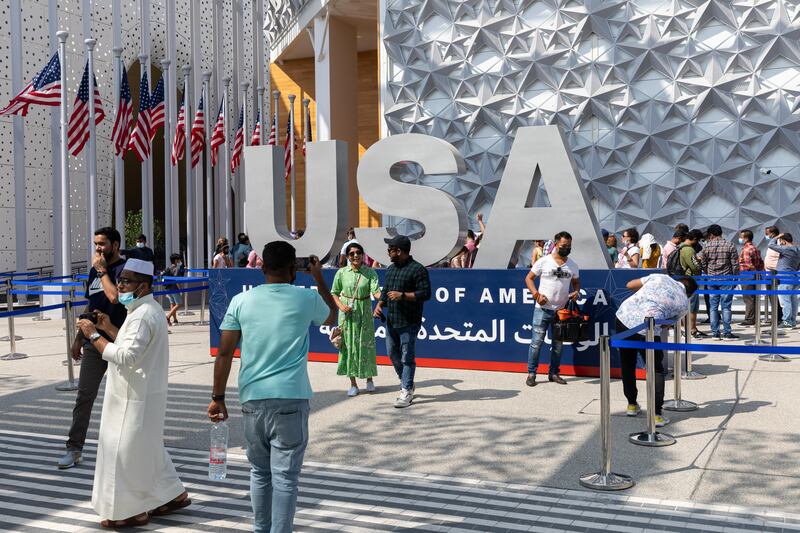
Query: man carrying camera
[101,291]
[272,322]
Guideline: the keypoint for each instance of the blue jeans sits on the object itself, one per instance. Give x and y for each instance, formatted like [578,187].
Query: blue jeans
[276,431]
[788,303]
[716,301]
[401,348]
[542,318]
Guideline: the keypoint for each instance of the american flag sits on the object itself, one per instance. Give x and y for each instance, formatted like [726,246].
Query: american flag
[307,136]
[45,89]
[78,128]
[122,123]
[139,141]
[198,134]
[157,112]
[238,143]
[179,143]
[218,135]
[273,131]
[287,153]
[256,139]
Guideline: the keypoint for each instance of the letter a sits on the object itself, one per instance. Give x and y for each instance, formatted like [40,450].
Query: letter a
[539,152]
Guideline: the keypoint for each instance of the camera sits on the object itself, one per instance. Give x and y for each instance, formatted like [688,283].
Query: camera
[304,263]
[91,317]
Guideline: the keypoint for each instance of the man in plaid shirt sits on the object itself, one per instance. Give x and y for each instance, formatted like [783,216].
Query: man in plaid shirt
[405,288]
[719,259]
[749,260]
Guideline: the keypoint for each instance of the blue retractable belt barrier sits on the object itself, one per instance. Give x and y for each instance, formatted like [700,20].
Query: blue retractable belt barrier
[14,274]
[15,291]
[735,283]
[192,289]
[201,270]
[758,291]
[730,348]
[183,279]
[30,310]
[637,329]
[41,283]
[80,302]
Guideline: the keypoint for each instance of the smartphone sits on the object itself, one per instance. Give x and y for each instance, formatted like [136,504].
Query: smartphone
[91,317]
[303,263]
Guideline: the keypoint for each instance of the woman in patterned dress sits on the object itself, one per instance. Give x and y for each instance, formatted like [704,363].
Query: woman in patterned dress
[353,286]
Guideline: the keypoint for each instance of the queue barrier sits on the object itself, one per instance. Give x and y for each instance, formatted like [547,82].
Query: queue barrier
[14,274]
[12,337]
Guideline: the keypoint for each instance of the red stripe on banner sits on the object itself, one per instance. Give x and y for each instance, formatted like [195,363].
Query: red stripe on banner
[465,364]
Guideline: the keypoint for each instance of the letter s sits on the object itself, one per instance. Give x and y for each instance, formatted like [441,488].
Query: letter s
[442,215]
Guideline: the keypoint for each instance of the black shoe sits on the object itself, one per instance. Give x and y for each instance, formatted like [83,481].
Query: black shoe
[531,381]
[697,334]
[555,378]
[706,321]
[747,323]
[730,337]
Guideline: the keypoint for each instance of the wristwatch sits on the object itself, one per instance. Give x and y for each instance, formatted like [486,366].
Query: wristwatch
[218,397]
[101,274]
[94,336]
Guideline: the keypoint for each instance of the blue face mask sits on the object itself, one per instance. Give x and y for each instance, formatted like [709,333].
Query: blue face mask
[140,245]
[741,241]
[127,298]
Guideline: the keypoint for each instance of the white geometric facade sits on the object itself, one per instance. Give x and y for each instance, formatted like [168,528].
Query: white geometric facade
[673,109]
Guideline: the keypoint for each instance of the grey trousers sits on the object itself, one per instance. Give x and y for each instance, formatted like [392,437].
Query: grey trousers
[93,367]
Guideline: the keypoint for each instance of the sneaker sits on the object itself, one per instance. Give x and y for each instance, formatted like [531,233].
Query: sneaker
[555,378]
[661,421]
[633,409]
[352,392]
[531,381]
[70,459]
[785,325]
[370,386]
[716,337]
[747,323]
[697,334]
[404,400]
[730,337]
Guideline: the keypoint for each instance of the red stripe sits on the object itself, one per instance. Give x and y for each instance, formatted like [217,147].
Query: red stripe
[465,364]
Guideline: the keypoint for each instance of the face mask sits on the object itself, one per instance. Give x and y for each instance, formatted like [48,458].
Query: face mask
[741,241]
[140,245]
[127,298]
[564,252]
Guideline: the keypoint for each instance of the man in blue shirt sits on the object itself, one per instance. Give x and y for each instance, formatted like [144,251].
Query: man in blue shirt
[272,322]
[788,261]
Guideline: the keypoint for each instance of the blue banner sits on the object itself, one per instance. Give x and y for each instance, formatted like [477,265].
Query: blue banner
[476,319]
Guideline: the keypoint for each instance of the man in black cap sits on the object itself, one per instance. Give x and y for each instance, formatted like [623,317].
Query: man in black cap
[406,287]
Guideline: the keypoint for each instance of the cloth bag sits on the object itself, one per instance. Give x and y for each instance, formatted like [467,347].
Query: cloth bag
[571,325]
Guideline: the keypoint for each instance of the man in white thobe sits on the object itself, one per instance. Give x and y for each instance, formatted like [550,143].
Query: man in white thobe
[134,476]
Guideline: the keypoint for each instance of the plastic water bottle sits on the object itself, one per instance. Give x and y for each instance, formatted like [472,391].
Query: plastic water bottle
[218,459]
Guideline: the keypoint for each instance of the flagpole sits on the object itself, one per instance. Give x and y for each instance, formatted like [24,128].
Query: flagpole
[209,171]
[173,112]
[217,54]
[18,125]
[66,228]
[242,196]
[275,96]
[291,158]
[146,209]
[55,138]
[147,164]
[225,160]
[168,245]
[119,164]
[91,158]
[187,98]
[261,116]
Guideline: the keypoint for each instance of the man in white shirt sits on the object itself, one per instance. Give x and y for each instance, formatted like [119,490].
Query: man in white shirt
[558,282]
[663,298]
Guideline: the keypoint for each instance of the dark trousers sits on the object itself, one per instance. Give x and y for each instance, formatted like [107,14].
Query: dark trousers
[750,303]
[93,367]
[778,308]
[628,359]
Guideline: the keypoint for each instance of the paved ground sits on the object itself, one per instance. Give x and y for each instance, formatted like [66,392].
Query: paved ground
[739,449]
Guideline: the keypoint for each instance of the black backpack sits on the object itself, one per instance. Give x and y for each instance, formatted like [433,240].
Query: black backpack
[674,267]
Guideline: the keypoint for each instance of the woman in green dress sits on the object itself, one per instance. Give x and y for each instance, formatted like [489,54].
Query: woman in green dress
[352,287]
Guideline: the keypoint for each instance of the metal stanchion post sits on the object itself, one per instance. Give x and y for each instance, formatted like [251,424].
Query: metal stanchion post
[41,316]
[186,311]
[69,318]
[202,309]
[13,354]
[605,479]
[651,437]
[688,373]
[774,357]
[679,404]
[757,304]
[11,335]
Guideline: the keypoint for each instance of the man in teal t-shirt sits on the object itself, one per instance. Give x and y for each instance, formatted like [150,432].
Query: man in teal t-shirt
[272,322]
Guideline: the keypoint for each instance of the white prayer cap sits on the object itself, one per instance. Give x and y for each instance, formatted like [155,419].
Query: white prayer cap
[139,266]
